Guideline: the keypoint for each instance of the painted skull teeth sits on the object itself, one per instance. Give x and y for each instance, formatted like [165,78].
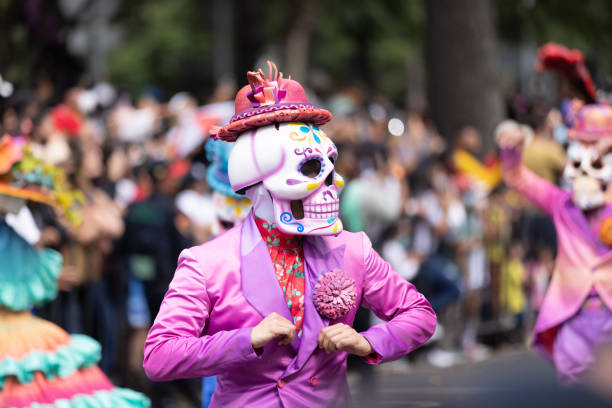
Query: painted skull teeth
[322,211]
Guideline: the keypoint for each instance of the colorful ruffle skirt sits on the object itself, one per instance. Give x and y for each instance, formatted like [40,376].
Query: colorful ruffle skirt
[42,366]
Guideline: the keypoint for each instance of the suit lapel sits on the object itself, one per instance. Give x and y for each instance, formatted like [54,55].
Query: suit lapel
[259,284]
[319,259]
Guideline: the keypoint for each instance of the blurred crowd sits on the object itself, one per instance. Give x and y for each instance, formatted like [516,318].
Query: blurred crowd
[434,206]
[438,211]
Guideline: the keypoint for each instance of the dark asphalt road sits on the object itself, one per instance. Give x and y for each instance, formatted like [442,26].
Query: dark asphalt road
[519,379]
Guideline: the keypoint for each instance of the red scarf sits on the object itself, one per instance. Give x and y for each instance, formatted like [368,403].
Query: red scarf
[287,257]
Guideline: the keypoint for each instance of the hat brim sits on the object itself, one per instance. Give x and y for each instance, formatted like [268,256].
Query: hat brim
[230,132]
[30,195]
[219,185]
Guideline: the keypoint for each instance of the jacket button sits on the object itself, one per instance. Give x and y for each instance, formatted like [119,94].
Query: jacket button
[280,383]
[314,381]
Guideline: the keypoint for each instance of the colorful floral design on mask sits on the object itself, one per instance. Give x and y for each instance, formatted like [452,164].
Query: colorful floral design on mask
[307,152]
[310,131]
[287,218]
[287,257]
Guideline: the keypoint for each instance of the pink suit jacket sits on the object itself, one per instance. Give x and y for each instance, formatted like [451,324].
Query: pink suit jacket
[223,288]
[582,263]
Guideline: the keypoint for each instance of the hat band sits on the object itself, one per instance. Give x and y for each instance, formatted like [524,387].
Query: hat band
[270,108]
[589,134]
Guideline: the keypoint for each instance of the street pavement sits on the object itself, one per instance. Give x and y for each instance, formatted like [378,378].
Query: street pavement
[512,379]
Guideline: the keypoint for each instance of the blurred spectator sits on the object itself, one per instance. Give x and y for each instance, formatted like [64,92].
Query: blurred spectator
[513,282]
[471,257]
[497,233]
[482,178]
[546,158]
[84,305]
[434,212]
[152,242]
[397,251]
[149,249]
[542,154]
[373,199]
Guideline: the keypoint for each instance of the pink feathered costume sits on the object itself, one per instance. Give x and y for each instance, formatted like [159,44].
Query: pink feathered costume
[225,287]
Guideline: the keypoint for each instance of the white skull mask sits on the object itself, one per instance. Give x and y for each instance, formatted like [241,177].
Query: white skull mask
[588,174]
[295,162]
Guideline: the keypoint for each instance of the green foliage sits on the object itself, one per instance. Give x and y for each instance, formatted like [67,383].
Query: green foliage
[361,42]
[586,25]
[369,42]
[14,50]
[167,43]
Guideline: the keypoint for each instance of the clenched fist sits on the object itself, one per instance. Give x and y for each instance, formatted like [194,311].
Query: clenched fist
[510,136]
[273,326]
[341,337]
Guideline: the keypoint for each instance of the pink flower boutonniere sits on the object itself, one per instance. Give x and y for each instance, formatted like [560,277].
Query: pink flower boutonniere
[335,294]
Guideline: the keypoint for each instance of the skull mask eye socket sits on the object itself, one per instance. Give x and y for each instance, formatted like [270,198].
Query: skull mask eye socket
[597,164]
[311,168]
[226,224]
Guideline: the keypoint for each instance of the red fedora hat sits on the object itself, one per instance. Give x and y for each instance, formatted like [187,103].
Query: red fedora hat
[269,100]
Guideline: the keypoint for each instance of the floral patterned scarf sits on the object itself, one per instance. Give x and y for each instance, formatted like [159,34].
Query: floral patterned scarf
[287,257]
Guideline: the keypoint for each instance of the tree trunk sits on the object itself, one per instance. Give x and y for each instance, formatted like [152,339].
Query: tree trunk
[249,42]
[298,39]
[462,71]
[223,41]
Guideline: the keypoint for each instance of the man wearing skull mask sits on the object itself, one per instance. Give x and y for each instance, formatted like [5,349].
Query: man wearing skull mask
[268,306]
[575,318]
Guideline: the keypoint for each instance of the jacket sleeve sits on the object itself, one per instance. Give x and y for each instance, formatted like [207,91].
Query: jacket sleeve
[175,347]
[409,319]
[539,191]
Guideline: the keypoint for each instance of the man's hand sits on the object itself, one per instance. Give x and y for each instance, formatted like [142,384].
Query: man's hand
[341,337]
[511,138]
[273,326]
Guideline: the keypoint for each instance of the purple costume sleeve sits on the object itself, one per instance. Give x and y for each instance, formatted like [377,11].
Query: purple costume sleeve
[539,191]
[174,348]
[410,319]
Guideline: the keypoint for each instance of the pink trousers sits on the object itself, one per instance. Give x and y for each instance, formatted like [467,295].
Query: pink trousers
[579,339]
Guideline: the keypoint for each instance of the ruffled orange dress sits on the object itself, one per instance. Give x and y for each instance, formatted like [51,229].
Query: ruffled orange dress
[42,366]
